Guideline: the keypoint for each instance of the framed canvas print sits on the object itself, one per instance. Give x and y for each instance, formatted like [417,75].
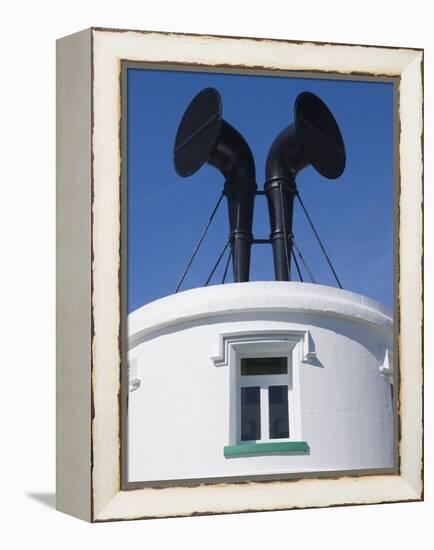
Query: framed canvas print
[239,305]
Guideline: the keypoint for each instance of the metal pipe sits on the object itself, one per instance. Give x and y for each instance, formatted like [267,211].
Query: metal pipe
[233,158]
[204,136]
[313,139]
[280,196]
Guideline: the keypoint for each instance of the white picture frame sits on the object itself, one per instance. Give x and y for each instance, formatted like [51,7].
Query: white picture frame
[89,268]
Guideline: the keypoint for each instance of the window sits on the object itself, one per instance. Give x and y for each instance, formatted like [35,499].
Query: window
[278,412]
[250,414]
[263,365]
[264,398]
[264,390]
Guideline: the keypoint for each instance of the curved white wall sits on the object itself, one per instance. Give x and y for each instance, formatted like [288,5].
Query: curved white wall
[180,417]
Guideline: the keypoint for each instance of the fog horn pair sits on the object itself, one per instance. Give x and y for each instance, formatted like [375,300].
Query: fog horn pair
[313,139]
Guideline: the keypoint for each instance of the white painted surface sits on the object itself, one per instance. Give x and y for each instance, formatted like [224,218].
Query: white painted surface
[180,417]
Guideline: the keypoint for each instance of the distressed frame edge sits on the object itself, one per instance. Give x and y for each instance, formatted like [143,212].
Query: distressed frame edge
[409,490]
[253,38]
[410,279]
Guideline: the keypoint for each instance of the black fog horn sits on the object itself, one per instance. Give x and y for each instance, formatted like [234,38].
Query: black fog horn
[313,139]
[204,136]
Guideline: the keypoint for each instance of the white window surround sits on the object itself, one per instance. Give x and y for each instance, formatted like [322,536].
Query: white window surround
[297,346]
[302,337]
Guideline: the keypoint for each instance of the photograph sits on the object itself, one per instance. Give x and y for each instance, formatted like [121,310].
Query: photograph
[244,301]
[258,252]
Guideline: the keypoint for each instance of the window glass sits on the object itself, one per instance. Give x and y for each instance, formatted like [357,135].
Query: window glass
[250,414]
[278,411]
[254,366]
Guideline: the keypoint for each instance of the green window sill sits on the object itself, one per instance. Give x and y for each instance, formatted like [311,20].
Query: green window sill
[263,448]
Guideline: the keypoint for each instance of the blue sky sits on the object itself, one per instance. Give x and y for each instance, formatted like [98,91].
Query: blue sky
[166,213]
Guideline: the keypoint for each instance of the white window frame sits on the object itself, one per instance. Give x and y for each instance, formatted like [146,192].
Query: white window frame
[264,381]
[297,346]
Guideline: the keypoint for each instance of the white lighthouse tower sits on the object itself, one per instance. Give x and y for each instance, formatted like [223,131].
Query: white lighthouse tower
[259,379]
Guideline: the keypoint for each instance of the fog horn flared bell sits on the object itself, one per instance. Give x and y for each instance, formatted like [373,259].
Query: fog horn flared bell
[205,137]
[313,139]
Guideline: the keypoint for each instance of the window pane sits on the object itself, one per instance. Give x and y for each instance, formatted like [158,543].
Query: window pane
[252,366]
[278,411]
[250,414]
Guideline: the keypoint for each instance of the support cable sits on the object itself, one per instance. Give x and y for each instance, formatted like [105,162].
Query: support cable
[217,262]
[309,219]
[303,261]
[227,267]
[199,242]
[236,232]
[294,257]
